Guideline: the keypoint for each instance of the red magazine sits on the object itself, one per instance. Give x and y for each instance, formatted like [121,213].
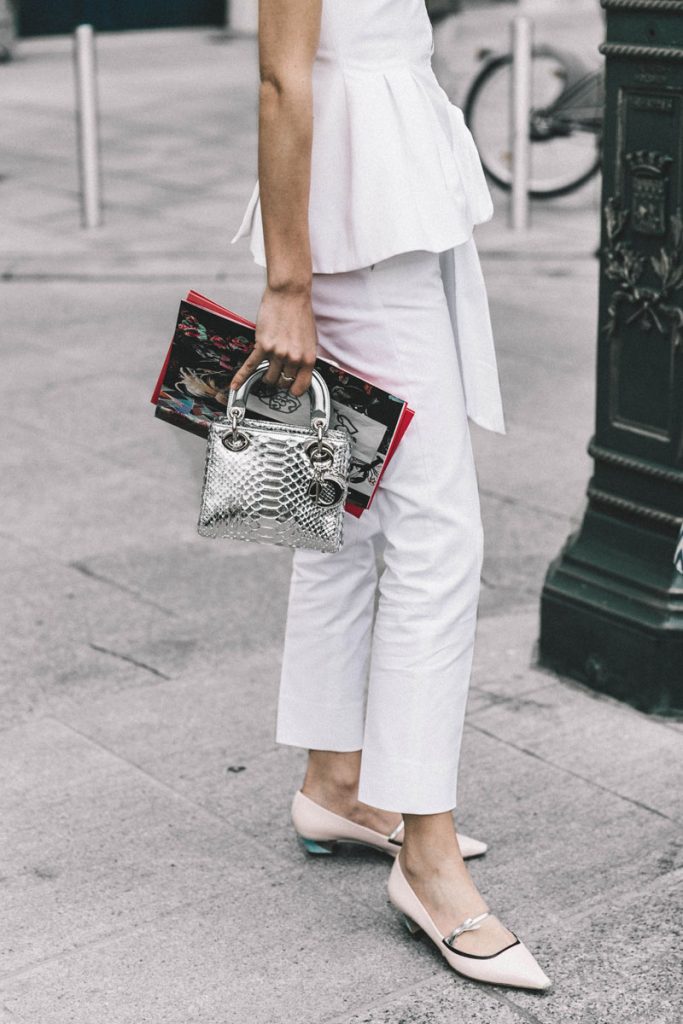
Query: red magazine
[210,343]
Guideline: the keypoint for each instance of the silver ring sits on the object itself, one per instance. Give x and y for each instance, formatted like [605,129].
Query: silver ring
[284,376]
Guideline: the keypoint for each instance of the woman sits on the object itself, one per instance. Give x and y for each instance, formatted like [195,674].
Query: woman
[369,187]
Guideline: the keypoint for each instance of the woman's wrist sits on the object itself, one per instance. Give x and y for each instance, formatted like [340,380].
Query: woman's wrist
[286,284]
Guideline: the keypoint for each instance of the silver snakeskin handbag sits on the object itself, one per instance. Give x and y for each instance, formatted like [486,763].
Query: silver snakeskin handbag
[276,483]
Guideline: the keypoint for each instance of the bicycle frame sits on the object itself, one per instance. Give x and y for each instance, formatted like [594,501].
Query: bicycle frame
[579,107]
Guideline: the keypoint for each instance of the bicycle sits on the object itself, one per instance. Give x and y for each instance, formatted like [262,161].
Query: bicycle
[565,122]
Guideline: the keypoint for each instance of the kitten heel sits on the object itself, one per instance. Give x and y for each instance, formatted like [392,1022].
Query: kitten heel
[318,847]
[413,928]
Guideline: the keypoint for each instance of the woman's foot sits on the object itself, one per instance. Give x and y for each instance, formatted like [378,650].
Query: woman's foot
[347,805]
[332,781]
[510,964]
[444,887]
[431,885]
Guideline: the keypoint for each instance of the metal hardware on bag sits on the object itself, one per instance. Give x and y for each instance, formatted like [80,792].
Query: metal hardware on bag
[330,483]
[322,458]
[320,453]
[236,440]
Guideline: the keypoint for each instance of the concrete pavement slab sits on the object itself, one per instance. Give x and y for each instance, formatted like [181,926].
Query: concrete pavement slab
[70,636]
[536,370]
[221,719]
[519,542]
[543,445]
[19,556]
[238,954]
[232,596]
[596,738]
[96,626]
[505,655]
[91,501]
[434,1001]
[69,883]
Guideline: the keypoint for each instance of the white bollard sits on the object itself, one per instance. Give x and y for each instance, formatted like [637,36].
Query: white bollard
[520,107]
[242,16]
[88,136]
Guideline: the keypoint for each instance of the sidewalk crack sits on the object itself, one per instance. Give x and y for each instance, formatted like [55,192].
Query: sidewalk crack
[507,499]
[384,1004]
[568,771]
[91,574]
[131,660]
[518,1010]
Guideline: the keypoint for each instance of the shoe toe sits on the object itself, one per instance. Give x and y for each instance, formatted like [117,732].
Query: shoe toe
[521,969]
[515,967]
[471,847]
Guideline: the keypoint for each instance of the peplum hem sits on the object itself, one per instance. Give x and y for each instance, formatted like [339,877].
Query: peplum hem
[394,168]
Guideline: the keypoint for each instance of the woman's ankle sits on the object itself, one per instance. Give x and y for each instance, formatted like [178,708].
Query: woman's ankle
[328,792]
[422,862]
[430,848]
[332,778]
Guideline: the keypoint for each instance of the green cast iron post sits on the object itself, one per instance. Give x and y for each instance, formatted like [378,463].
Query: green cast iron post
[612,603]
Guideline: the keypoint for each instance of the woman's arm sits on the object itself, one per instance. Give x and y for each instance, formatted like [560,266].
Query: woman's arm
[285,329]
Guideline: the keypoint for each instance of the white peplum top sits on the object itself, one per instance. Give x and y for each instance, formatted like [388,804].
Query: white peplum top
[394,168]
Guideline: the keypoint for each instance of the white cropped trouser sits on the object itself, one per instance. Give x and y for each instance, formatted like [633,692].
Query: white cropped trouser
[395,688]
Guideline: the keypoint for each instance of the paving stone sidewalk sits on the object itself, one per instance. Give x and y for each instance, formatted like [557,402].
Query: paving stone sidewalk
[149,870]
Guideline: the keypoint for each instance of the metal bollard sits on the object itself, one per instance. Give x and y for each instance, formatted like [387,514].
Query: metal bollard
[520,106]
[88,136]
[242,16]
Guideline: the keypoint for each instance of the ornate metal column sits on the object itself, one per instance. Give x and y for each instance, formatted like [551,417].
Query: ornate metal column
[612,603]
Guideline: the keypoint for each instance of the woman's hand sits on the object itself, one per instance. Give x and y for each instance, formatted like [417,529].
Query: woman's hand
[286,336]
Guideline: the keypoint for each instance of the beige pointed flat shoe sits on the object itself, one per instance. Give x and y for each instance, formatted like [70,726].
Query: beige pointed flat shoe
[514,965]
[321,830]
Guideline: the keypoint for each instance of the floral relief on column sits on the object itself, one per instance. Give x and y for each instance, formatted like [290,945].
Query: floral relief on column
[650,306]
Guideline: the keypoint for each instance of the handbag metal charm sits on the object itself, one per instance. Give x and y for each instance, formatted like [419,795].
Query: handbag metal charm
[276,483]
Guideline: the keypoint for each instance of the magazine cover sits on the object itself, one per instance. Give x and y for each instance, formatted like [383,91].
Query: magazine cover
[209,346]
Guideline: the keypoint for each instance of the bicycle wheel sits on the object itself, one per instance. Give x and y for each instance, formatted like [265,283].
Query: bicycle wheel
[565,150]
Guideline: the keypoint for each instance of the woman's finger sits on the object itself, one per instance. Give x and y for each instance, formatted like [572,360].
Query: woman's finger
[302,382]
[272,374]
[288,375]
[247,367]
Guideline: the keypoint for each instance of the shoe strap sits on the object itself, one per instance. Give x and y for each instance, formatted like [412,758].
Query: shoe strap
[392,835]
[471,924]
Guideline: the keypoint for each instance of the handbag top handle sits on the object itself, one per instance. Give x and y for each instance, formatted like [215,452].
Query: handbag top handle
[318,394]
